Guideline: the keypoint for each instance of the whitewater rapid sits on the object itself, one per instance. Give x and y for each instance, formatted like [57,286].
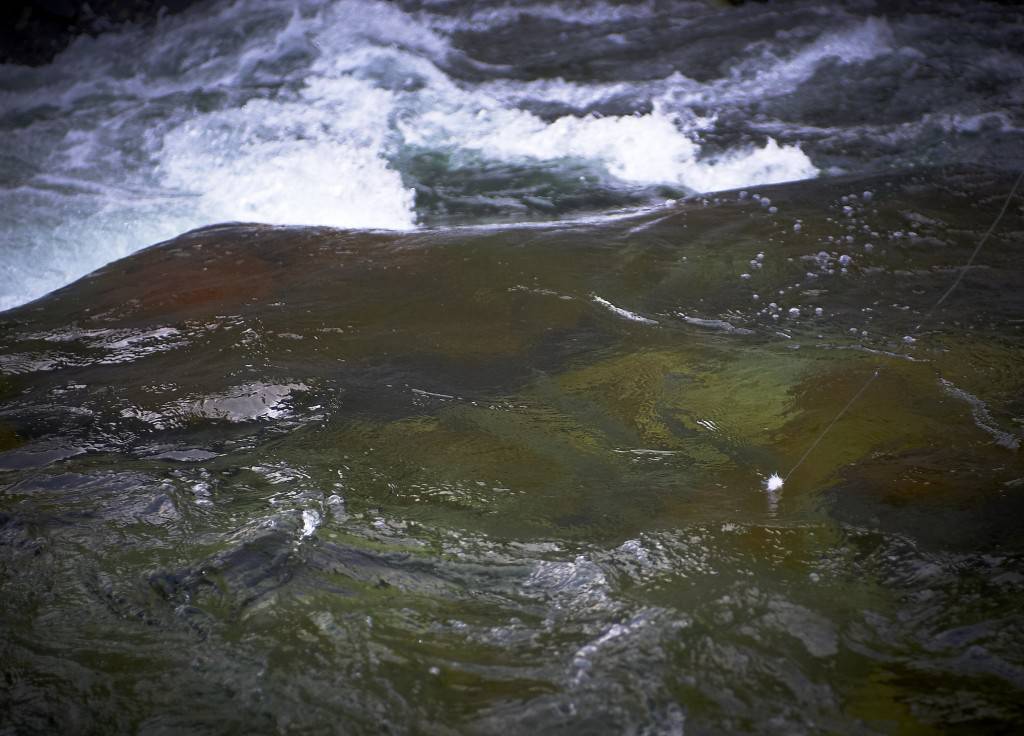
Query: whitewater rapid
[360,114]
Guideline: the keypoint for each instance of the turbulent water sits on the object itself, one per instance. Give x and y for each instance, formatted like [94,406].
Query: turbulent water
[360,114]
[458,409]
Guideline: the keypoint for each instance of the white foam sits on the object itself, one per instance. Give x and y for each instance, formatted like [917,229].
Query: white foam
[856,44]
[130,160]
[624,313]
[311,519]
[767,74]
[649,149]
[286,164]
[983,418]
[303,115]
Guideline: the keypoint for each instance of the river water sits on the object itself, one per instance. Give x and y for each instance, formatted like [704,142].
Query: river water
[398,115]
[465,424]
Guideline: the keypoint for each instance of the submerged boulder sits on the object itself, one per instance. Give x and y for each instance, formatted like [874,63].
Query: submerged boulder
[480,474]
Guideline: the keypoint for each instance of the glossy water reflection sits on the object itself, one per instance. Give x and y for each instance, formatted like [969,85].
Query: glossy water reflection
[271,479]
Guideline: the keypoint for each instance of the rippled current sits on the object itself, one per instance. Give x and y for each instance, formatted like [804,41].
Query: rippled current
[266,479]
[500,464]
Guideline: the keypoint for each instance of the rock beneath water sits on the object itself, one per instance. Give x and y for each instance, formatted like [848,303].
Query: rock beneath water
[305,462]
[526,358]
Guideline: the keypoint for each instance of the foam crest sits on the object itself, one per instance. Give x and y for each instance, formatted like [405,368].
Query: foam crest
[647,149]
[859,43]
[560,91]
[310,162]
[340,113]
[343,24]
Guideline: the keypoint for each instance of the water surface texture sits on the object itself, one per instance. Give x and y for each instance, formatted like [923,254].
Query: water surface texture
[264,479]
[393,115]
[450,401]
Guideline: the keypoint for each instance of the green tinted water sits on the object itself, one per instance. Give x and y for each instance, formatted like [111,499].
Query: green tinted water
[491,480]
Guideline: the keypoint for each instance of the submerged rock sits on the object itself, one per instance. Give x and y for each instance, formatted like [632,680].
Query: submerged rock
[498,460]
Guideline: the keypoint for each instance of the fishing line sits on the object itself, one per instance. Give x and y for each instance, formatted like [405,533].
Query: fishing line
[977,249]
[775,482]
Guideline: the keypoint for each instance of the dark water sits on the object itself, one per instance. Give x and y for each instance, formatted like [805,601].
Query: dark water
[497,480]
[472,434]
[357,114]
